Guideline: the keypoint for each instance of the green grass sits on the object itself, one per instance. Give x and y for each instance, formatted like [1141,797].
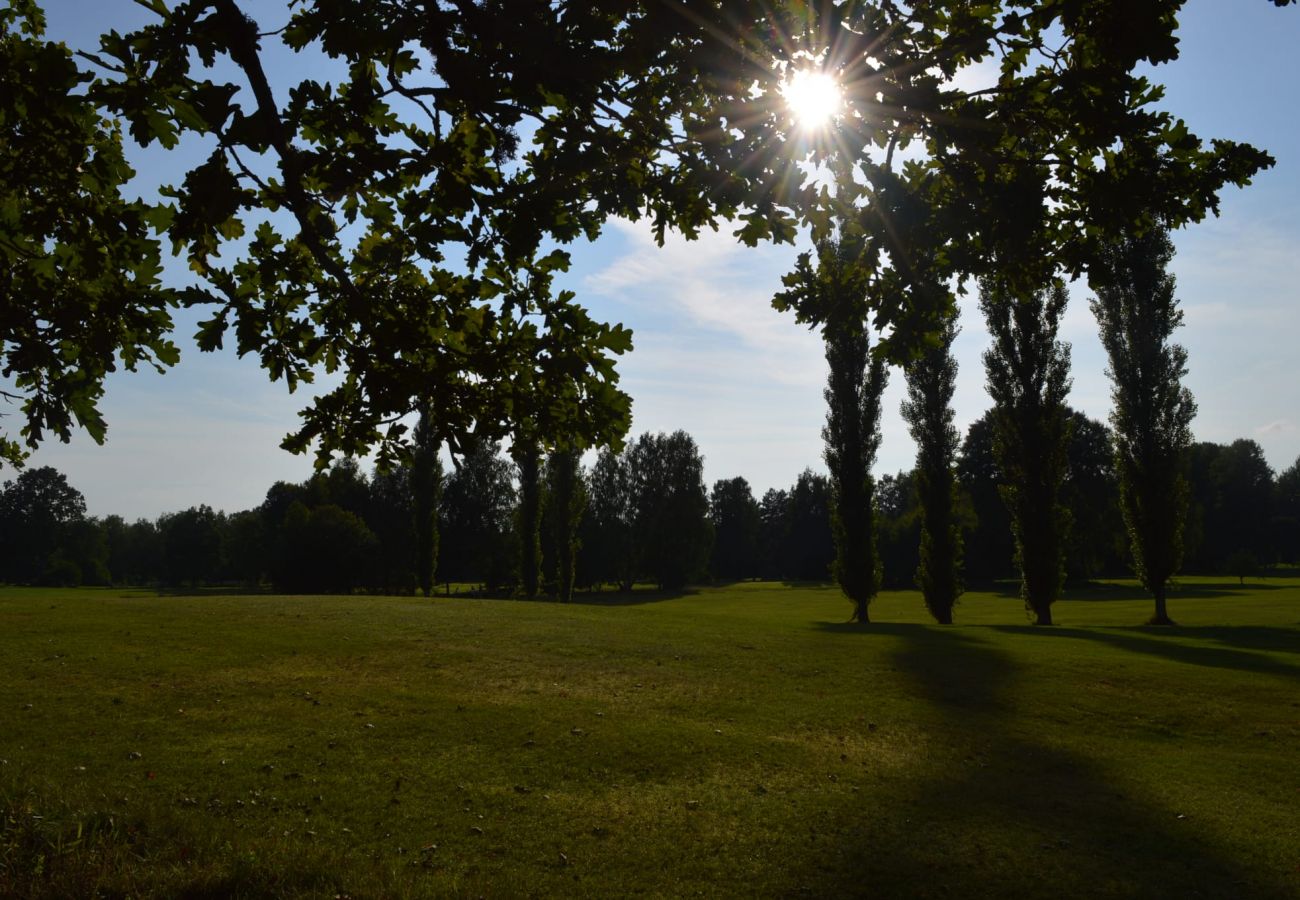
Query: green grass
[733,742]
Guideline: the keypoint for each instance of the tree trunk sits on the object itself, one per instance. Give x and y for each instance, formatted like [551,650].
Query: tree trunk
[1044,614]
[1162,614]
[527,458]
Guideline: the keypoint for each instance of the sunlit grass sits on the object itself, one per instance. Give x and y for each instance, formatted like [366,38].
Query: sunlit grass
[736,741]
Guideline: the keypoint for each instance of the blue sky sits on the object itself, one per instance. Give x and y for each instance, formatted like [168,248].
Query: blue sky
[713,358]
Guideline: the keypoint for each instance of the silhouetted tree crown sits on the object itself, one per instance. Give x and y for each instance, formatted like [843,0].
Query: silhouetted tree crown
[1137,313]
[1028,379]
[412,257]
[671,505]
[931,381]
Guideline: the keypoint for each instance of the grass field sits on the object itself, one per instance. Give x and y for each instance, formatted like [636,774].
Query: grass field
[739,741]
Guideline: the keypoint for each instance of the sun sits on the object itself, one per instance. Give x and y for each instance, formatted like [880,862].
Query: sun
[813,97]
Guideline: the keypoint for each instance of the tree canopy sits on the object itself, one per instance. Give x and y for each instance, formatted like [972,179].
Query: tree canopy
[403,227]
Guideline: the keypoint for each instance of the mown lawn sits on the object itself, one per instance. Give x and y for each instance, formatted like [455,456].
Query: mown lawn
[740,741]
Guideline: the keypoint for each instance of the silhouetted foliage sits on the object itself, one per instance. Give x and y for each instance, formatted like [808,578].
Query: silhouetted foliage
[1028,378]
[418,506]
[1137,313]
[342,484]
[413,254]
[811,547]
[37,509]
[834,292]
[477,508]
[931,381]
[989,543]
[1094,544]
[192,545]
[610,544]
[736,525]
[1287,514]
[565,506]
[400,531]
[326,550]
[898,529]
[1231,508]
[244,547]
[81,558]
[671,505]
[774,535]
[528,515]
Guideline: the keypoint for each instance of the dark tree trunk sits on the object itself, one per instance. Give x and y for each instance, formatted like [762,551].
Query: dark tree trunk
[1161,616]
[527,458]
[426,487]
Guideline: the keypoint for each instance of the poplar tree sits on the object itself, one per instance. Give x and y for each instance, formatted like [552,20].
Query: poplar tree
[528,516]
[1028,379]
[852,438]
[426,494]
[834,292]
[931,380]
[566,502]
[1137,313]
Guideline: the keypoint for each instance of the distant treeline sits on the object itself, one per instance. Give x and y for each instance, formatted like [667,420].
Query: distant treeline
[648,517]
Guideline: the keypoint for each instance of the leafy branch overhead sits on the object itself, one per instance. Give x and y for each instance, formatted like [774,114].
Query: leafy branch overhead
[399,227]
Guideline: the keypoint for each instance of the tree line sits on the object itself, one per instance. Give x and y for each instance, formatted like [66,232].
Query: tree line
[644,516]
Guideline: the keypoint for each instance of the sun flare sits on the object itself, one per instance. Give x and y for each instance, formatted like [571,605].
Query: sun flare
[813,98]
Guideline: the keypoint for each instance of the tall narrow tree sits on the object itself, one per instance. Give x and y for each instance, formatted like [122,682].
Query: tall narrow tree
[566,502]
[834,293]
[852,437]
[528,516]
[426,493]
[931,381]
[1028,379]
[1137,313]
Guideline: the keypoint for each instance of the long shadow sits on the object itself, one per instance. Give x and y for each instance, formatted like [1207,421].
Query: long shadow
[220,590]
[1098,591]
[1027,819]
[1255,637]
[633,598]
[1165,645]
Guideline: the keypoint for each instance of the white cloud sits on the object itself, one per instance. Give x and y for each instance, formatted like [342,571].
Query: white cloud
[1277,426]
[718,285]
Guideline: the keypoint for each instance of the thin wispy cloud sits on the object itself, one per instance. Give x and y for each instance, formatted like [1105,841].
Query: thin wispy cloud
[719,285]
[1276,427]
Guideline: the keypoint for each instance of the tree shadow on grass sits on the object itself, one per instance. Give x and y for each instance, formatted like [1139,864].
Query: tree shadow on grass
[1100,591]
[1254,637]
[219,590]
[988,809]
[632,598]
[1167,644]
